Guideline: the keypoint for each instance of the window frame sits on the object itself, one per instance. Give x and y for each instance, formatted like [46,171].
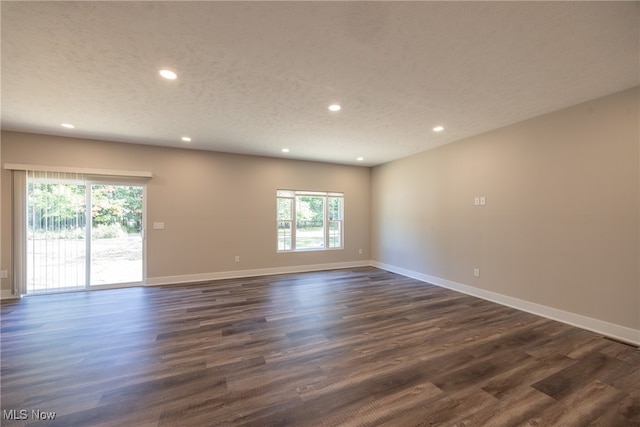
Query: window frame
[292,197]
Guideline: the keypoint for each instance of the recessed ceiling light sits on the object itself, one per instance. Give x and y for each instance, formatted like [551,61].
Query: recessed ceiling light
[285,150]
[168,74]
[360,159]
[186,139]
[334,107]
[67,125]
[438,128]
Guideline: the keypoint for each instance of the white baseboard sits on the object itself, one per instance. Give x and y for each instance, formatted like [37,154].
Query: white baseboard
[621,333]
[203,277]
[6,294]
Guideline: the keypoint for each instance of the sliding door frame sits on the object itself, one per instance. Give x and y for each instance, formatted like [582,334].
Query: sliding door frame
[93,176]
[90,182]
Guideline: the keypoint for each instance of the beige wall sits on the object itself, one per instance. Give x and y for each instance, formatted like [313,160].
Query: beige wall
[561,225]
[214,206]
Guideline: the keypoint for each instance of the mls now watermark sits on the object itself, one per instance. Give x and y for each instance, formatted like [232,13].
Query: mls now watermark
[25,414]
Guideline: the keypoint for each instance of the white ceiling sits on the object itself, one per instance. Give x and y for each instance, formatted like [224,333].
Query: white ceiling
[255,77]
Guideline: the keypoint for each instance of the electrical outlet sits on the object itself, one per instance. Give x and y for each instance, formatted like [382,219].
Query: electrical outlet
[237,258]
[476,201]
[476,272]
[360,251]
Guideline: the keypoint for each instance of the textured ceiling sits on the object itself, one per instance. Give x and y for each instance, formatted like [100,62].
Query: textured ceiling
[255,77]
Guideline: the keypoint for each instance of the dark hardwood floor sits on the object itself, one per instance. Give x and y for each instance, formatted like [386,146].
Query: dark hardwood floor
[355,347]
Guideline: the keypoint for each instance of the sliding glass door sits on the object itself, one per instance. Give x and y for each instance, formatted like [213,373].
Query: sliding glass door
[116,234]
[56,245]
[82,234]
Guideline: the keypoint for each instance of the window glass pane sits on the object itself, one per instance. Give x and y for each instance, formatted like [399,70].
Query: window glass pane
[284,235]
[56,249]
[335,208]
[335,234]
[116,234]
[309,222]
[285,209]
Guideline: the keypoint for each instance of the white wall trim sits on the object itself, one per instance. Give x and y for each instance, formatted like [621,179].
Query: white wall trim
[234,274]
[6,294]
[621,333]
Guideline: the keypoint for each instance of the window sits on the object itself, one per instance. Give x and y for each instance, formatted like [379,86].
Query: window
[309,220]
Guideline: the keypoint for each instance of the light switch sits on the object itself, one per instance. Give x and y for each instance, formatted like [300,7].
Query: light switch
[483,201]
[158,225]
